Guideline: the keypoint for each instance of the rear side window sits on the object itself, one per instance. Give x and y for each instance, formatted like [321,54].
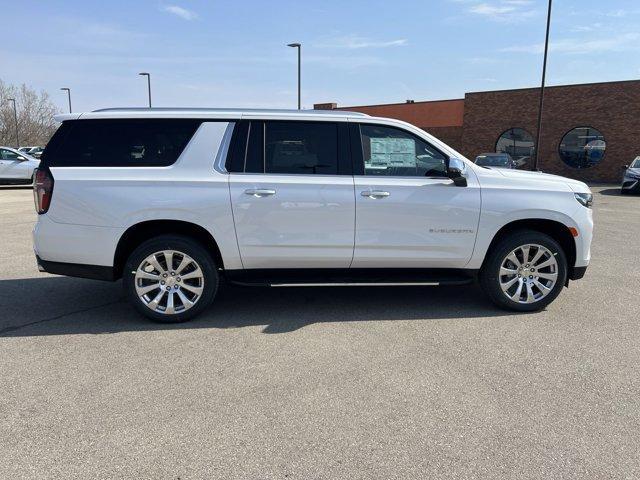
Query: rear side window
[285,147]
[301,148]
[119,143]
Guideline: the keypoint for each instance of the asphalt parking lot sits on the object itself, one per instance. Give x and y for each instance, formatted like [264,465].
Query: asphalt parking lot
[323,383]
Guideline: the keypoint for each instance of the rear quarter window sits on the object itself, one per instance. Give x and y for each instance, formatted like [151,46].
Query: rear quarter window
[119,143]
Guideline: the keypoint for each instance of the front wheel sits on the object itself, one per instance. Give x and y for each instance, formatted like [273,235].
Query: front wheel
[525,271]
[170,279]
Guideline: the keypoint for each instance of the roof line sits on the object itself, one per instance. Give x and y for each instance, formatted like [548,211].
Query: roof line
[548,87]
[400,103]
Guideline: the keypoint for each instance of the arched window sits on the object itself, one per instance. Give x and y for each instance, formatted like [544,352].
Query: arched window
[582,147]
[518,143]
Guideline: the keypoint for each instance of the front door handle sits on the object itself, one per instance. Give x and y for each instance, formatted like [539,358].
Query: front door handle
[375,194]
[260,192]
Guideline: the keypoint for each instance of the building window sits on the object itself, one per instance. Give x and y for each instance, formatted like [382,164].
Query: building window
[582,147]
[518,143]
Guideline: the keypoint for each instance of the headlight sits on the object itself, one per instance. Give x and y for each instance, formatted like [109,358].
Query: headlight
[586,199]
[633,176]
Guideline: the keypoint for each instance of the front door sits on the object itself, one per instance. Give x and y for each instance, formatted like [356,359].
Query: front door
[293,204]
[408,212]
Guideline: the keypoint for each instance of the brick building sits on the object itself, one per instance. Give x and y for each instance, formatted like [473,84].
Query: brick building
[589,131]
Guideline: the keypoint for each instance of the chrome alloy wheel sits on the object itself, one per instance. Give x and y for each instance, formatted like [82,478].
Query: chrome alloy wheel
[528,273]
[169,282]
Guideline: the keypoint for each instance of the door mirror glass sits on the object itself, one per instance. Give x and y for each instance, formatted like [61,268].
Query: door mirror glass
[456,171]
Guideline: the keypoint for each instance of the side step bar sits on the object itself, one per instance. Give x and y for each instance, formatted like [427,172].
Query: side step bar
[350,277]
[357,284]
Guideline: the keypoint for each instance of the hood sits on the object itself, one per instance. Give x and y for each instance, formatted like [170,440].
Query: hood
[30,158]
[575,185]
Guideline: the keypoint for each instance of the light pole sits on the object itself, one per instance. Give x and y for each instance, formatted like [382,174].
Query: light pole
[299,47]
[148,75]
[544,74]
[68,90]
[15,119]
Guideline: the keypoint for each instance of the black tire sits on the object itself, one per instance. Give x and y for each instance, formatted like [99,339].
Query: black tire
[181,244]
[489,274]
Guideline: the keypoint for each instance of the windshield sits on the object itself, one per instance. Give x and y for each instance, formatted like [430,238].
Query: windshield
[492,160]
[635,163]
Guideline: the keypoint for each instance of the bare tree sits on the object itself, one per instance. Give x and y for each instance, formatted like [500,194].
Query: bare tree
[35,116]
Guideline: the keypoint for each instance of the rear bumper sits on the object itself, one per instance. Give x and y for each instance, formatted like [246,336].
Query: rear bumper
[76,244]
[95,272]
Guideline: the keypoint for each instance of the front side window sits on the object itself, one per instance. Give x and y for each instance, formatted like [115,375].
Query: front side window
[393,152]
[635,163]
[582,147]
[518,143]
[120,143]
[301,148]
[8,155]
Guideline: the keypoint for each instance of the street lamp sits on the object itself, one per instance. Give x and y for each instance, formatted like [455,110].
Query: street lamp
[68,90]
[544,74]
[299,47]
[148,75]
[15,119]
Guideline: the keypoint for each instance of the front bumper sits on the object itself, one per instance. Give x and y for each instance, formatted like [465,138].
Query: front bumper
[631,185]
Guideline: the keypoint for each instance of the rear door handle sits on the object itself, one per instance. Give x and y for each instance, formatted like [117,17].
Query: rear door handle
[375,194]
[260,192]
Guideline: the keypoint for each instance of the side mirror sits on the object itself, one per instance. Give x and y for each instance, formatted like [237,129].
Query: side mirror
[20,158]
[625,166]
[455,174]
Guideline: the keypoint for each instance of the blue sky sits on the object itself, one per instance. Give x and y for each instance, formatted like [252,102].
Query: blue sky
[233,53]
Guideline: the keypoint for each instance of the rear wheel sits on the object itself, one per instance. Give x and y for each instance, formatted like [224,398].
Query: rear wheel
[170,279]
[525,271]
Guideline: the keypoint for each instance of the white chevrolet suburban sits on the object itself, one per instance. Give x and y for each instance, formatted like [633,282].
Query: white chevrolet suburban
[175,200]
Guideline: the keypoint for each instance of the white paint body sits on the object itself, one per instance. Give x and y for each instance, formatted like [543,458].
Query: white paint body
[309,221]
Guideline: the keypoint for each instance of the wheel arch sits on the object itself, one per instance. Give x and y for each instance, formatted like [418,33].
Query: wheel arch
[555,229]
[140,232]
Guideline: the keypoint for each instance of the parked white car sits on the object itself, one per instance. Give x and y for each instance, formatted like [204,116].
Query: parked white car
[172,200]
[16,166]
[35,152]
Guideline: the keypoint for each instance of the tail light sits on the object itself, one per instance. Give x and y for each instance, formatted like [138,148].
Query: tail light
[42,189]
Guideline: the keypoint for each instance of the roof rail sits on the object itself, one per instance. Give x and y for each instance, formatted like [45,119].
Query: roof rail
[236,110]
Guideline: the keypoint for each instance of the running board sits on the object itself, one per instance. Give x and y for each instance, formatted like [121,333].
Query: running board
[359,284]
[351,277]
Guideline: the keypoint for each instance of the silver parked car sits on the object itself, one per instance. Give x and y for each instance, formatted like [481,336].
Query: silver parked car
[495,160]
[35,152]
[16,166]
[631,178]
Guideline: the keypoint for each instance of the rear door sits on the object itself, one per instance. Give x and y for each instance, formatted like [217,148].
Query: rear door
[12,165]
[292,194]
[408,211]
